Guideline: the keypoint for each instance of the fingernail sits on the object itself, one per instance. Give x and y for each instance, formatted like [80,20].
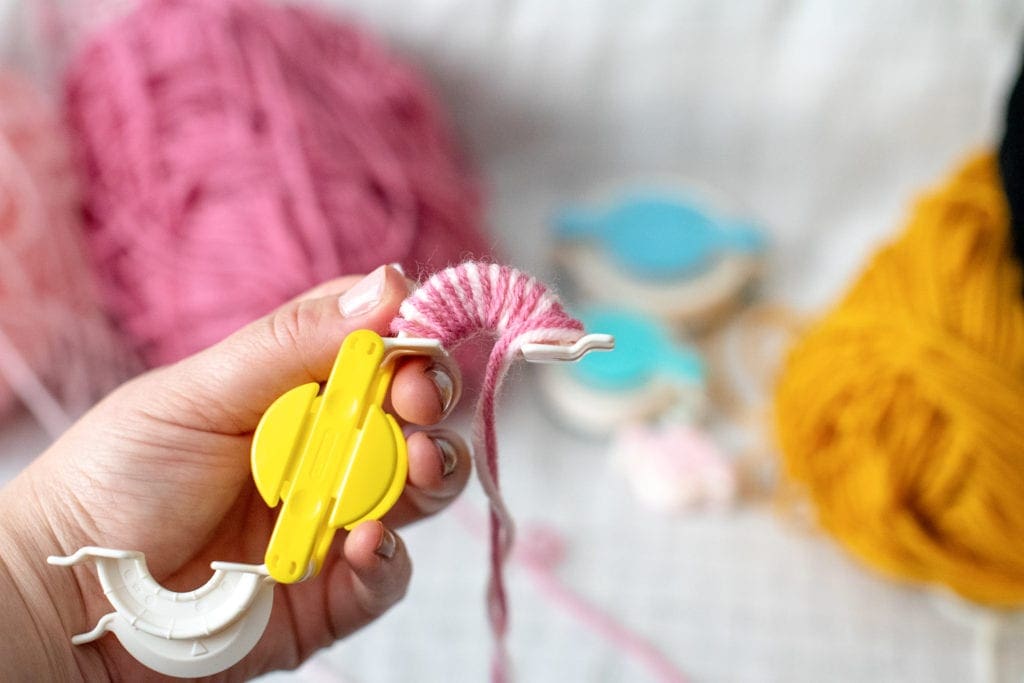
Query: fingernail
[387,545]
[398,266]
[364,295]
[445,386]
[449,457]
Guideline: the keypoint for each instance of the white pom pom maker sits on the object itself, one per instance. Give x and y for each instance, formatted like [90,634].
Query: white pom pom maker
[332,458]
[180,634]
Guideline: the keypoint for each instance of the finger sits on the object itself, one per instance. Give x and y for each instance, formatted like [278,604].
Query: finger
[423,390]
[341,284]
[374,576]
[335,287]
[231,384]
[439,467]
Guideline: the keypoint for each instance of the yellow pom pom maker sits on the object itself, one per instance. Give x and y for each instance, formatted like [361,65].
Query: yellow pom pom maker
[334,456]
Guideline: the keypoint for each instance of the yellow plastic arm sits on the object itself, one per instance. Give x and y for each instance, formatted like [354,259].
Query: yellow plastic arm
[334,457]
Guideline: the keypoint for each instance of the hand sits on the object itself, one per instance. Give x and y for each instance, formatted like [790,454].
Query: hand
[162,466]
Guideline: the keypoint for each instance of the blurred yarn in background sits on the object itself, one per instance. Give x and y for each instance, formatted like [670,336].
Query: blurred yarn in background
[58,352]
[271,150]
[664,266]
[899,411]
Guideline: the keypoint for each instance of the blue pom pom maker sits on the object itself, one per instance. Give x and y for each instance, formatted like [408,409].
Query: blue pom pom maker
[672,255]
[647,376]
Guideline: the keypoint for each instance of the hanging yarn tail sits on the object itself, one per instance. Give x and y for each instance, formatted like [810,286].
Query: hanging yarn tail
[899,413]
[540,550]
[58,353]
[270,150]
[540,555]
[458,304]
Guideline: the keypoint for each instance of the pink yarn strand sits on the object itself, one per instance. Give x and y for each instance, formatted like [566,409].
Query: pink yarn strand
[539,551]
[541,562]
[460,303]
[28,386]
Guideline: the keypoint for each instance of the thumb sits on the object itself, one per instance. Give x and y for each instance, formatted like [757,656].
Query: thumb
[231,384]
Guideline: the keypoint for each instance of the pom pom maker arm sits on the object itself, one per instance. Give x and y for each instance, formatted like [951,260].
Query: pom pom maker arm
[333,458]
[191,634]
[556,353]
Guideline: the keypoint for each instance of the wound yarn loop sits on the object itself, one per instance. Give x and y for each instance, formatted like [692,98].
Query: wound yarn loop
[239,152]
[458,304]
[899,412]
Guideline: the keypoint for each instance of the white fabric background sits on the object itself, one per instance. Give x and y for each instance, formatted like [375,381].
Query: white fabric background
[824,119]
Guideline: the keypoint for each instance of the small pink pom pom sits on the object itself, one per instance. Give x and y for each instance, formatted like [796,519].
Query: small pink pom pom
[673,467]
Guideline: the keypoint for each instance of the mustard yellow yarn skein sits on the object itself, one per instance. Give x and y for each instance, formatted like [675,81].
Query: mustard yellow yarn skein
[901,412]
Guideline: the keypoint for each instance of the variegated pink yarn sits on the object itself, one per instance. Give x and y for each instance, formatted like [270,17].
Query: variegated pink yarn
[239,152]
[58,352]
[460,303]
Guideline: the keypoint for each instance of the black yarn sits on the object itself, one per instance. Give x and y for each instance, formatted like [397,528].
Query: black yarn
[1011,163]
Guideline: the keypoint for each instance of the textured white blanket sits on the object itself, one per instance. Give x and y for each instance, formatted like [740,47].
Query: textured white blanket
[824,119]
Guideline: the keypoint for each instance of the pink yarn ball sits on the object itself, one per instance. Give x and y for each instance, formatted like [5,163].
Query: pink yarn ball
[238,153]
[57,349]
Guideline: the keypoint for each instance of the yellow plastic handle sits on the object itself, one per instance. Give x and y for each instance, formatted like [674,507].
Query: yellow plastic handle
[334,457]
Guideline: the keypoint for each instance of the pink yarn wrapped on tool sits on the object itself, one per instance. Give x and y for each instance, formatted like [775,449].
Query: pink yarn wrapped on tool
[58,352]
[239,152]
[511,309]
